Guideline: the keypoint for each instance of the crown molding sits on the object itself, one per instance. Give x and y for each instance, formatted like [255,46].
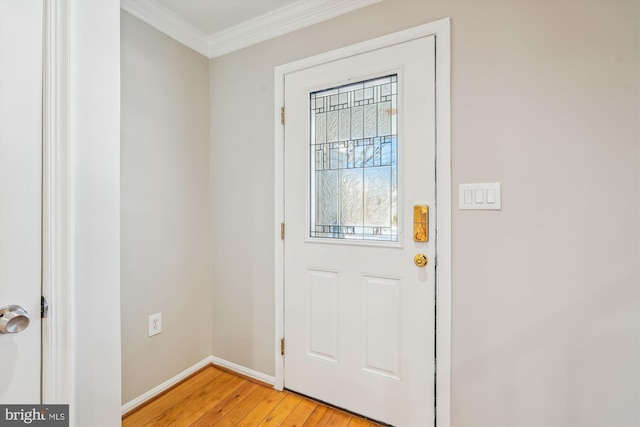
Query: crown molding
[164,20]
[297,15]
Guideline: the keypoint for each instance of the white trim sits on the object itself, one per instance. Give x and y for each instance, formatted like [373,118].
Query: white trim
[288,19]
[293,17]
[162,19]
[268,379]
[441,30]
[443,222]
[278,181]
[129,406]
[210,360]
[58,374]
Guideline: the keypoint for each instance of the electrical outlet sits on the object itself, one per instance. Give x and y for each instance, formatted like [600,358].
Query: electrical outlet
[155,324]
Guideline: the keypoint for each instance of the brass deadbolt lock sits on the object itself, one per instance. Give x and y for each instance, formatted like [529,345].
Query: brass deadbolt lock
[420,260]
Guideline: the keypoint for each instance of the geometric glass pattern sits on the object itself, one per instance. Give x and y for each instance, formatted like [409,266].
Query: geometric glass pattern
[354,161]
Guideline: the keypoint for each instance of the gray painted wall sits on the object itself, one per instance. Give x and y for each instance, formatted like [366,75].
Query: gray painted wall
[165,250]
[545,99]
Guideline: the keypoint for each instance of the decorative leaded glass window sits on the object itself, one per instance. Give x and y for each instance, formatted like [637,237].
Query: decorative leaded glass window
[354,161]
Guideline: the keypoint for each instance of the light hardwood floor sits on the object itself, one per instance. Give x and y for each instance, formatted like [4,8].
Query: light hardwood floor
[213,397]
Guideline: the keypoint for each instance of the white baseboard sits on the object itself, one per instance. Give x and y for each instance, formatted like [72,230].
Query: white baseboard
[211,360]
[165,385]
[243,371]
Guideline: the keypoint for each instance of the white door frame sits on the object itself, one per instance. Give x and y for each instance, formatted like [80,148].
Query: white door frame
[441,30]
[57,243]
[81,204]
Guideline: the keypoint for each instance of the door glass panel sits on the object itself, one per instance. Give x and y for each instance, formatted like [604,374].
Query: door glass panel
[354,161]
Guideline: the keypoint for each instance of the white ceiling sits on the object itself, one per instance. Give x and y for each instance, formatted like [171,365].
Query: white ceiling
[213,16]
[217,27]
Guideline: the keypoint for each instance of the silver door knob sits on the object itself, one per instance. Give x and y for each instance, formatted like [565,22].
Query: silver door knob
[13,319]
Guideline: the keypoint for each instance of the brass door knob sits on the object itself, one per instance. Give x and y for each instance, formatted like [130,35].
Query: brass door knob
[420,260]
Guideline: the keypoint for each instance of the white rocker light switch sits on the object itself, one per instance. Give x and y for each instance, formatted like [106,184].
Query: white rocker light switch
[484,196]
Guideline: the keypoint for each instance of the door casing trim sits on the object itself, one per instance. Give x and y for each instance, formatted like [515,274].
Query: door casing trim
[57,244]
[441,30]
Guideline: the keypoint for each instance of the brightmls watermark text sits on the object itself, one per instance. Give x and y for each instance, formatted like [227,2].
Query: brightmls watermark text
[34,415]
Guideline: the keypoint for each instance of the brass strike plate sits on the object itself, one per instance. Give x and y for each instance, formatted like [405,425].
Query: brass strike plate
[421,223]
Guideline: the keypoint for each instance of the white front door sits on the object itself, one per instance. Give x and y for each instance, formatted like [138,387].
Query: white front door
[359,155]
[20,195]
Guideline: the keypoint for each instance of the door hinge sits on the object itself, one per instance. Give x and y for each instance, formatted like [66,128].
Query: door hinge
[282,231]
[282,115]
[282,347]
[44,307]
